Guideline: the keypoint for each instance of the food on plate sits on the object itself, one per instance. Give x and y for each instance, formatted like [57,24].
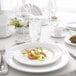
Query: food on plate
[73,39]
[35,53]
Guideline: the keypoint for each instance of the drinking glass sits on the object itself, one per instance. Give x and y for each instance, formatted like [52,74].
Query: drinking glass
[3,24]
[35,28]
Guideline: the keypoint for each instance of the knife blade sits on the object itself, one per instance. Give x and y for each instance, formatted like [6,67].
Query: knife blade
[73,56]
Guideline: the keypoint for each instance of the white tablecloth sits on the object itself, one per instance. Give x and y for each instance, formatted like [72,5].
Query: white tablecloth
[68,70]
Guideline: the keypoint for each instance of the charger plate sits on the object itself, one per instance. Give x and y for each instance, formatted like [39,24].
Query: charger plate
[40,69]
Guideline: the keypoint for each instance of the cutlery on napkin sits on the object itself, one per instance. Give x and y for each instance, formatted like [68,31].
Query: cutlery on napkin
[3,65]
[72,54]
[71,50]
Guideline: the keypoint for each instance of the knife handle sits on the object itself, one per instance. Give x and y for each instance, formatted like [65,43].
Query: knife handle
[0,58]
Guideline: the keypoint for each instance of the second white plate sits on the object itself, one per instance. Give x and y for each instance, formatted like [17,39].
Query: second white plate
[66,39]
[8,34]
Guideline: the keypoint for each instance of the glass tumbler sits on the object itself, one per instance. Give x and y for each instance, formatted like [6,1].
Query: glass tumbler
[35,28]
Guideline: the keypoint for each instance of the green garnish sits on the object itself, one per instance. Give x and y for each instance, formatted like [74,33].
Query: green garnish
[40,48]
[37,53]
[25,52]
[41,58]
[45,55]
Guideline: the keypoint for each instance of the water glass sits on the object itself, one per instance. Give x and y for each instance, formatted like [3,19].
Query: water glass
[3,24]
[35,28]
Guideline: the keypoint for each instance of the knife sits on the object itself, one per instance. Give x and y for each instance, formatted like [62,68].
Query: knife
[2,63]
[2,60]
[72,55]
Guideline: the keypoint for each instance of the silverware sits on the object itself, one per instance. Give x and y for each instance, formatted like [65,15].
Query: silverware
[72,55]
[2,63]
[18,43]
[2,60]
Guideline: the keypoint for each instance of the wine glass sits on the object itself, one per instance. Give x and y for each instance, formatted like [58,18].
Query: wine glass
[52,7]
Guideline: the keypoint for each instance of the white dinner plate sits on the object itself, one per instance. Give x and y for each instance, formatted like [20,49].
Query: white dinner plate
[66,39]
[8,34]
[40,69]
[52,53]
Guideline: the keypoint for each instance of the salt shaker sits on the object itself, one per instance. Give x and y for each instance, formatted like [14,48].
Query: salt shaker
[57,28]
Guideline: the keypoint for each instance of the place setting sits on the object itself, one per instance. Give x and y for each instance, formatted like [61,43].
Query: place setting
[71,36]
[37,57]
[70,39]
[35,38]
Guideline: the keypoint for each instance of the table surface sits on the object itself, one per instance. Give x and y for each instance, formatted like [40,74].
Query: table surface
[70,67]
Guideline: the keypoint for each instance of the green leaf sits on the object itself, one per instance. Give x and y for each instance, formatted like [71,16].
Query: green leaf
[24,52]
[37,53]
[40,48]
[41,58]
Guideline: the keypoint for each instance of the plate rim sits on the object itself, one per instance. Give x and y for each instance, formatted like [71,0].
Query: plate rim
[9,33]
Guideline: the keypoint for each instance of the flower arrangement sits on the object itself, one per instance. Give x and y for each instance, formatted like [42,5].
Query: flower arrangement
[18,23]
